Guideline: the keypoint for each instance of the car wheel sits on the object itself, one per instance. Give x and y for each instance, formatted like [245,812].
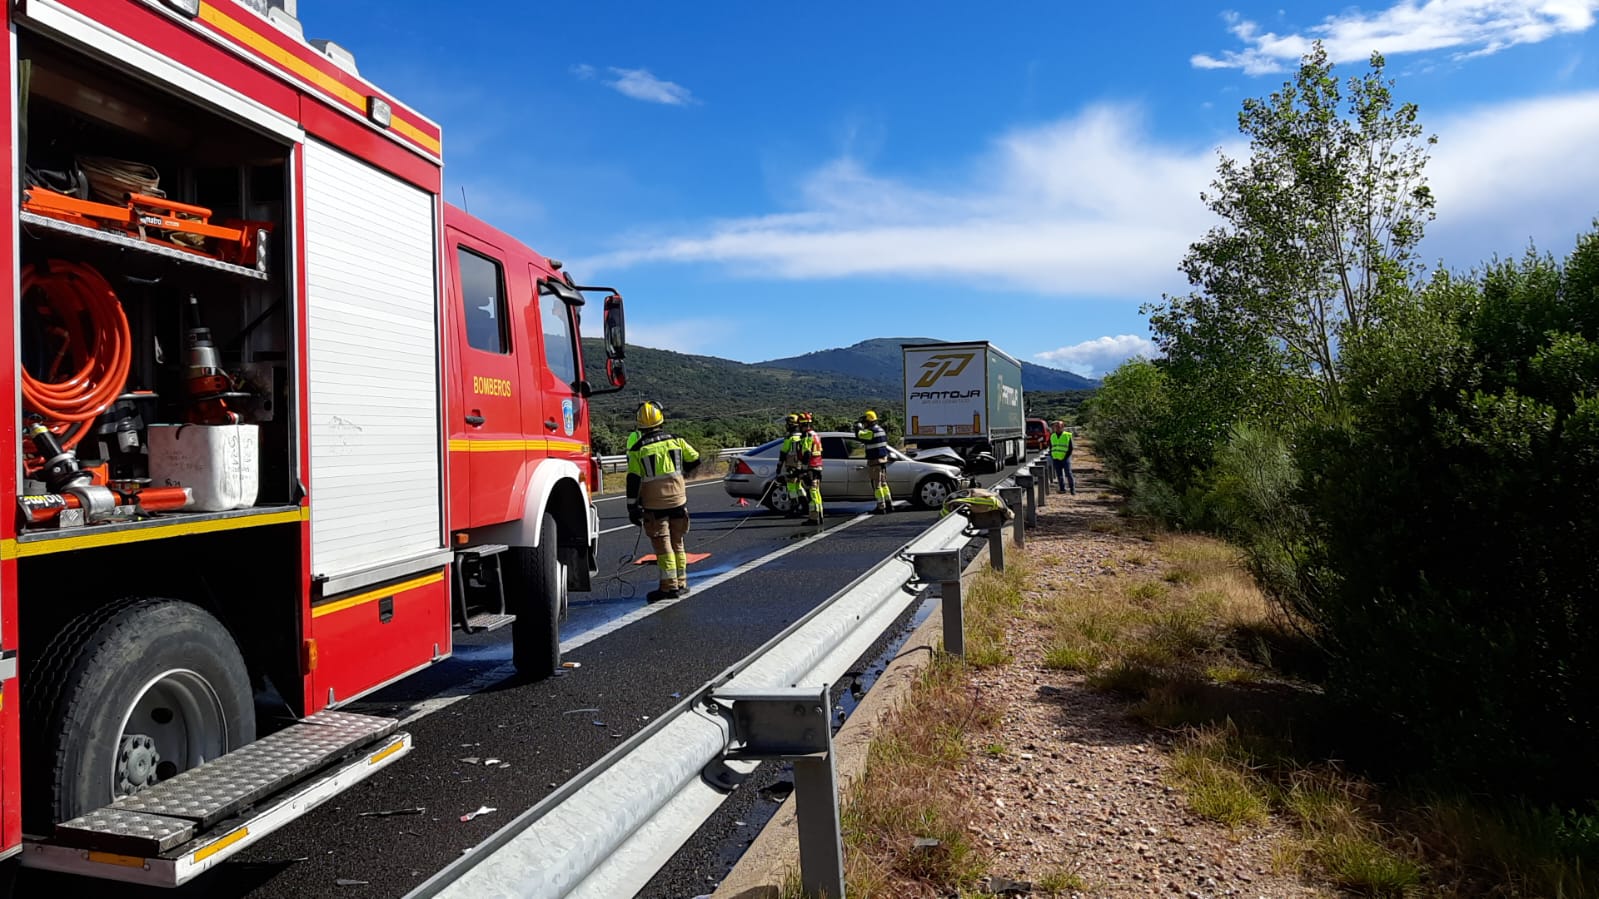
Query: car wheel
[932,491]
[777,498]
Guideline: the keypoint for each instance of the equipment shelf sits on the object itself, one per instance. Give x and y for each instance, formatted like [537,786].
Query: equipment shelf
[165,524]
[127,242]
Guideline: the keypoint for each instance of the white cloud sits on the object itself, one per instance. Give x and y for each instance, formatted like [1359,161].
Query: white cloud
[639,84]
[1469,27]
[1091,206]
[1087,205]
[1093,358]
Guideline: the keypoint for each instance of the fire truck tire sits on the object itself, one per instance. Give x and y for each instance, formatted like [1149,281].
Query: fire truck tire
[127,694]
[538,586]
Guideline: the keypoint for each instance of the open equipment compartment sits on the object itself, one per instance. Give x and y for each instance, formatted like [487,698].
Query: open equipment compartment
[183,214]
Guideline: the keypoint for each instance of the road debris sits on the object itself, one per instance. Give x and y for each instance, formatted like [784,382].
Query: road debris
[482,810]
[347,882]
[580,711]
[391,812]
[571,664]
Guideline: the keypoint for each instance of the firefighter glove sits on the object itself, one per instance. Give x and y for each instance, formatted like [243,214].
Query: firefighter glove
[635,513]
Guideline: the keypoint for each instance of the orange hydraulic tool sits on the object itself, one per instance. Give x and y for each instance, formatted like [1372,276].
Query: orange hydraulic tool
[47,507]
[159,220]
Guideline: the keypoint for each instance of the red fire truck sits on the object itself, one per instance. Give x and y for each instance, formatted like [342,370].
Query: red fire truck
[283,420]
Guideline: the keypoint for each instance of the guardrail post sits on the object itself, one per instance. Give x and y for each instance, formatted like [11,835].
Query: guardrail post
[1013,498]
[795,724]
[1043,478]
[1024,481]
[944,567]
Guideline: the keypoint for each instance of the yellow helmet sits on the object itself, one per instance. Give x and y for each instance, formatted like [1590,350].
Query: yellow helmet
[870,415]
[649,416]
[792,419]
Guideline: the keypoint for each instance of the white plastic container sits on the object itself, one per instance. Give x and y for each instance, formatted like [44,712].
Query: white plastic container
[221,463]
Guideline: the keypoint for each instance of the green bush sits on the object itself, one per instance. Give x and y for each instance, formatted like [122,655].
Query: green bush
[1456,515]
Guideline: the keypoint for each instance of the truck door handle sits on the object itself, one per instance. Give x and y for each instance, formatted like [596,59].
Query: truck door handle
[551,423]
[474,420]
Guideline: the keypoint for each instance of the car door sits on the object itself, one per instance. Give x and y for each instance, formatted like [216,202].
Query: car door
[563,414]
[837,480]
[486,439]
[860,479]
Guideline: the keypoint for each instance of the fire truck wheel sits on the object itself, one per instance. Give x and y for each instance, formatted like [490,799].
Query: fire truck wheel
[130,694]
[539,588]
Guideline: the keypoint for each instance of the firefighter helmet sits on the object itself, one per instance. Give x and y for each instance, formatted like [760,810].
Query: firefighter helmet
[805,418]
[649,415]
[792,419]
[870,415]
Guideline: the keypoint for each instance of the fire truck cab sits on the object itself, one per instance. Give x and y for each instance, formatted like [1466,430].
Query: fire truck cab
[282,420]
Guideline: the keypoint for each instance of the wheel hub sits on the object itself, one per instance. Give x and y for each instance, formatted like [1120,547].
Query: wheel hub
[137,764]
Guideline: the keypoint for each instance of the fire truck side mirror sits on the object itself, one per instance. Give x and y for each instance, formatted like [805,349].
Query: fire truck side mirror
[615,331]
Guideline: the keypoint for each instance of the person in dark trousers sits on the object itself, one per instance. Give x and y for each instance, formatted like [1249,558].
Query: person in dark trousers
[869,430]
[1060,453]
[657,497]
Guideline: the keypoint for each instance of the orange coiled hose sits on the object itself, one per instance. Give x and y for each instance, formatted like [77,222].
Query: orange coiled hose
[96,347]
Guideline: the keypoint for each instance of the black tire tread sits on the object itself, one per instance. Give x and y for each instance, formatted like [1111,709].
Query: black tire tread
[536,630]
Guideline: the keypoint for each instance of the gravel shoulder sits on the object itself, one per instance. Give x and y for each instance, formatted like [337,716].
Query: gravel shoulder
[1070,792]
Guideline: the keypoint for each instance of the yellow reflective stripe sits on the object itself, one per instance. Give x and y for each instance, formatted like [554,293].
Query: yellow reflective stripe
[11,549]
[374,595]
[384,753]
[485,445]
[200,855]
[244,34]
[112,858]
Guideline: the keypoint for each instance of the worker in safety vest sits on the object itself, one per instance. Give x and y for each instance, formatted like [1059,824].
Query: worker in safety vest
[1060,453]
[877,457]
[791,467]
[657,497]
[808,454]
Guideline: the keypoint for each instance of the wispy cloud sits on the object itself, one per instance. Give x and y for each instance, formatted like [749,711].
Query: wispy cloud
[1088,205]
[1469,27]
[640,84]
[1092,358]
[1093,206]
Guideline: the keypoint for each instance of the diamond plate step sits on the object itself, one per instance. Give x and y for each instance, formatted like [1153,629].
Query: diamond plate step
[488,621]
[139,824]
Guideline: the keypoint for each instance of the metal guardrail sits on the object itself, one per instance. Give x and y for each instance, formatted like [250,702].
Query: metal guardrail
[617,463]
[609,830]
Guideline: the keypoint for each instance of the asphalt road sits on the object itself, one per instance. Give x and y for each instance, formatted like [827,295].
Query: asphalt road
[635,660]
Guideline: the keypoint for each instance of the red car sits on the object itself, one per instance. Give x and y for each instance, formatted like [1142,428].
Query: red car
[1037,433]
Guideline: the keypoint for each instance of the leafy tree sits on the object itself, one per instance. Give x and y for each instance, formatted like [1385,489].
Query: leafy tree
[1318,233]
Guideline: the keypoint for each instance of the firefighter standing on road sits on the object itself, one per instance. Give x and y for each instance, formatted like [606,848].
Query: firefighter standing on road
[868,430]
[806,447]
[792,467]
[657,497]
[1060,452]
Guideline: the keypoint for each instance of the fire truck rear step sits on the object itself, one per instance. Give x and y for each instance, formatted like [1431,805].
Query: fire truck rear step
[153,820]
[177,866]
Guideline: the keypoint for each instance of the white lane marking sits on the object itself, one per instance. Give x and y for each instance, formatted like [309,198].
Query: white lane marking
[452,695]
[692,484]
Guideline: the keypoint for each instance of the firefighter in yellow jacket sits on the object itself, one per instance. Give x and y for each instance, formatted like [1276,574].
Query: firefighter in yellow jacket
[657,497]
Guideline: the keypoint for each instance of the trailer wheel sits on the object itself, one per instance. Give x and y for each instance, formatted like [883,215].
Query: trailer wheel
[539,586]
[128,695]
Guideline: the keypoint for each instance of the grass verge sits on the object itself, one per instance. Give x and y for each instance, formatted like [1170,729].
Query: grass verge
[905,818]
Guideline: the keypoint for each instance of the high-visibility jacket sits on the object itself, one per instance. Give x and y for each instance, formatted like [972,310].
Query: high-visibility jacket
[876,441]
[1060,445]
[803,450]
[656,467]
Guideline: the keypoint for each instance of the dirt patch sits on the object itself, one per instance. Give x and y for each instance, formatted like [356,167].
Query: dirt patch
[1072,793]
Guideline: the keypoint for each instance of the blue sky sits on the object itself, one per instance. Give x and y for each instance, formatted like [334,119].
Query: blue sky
[761,180]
